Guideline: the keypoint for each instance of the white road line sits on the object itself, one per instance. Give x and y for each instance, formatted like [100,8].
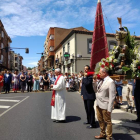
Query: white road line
[13,97]
[2,106]
[13,106]
[4,100]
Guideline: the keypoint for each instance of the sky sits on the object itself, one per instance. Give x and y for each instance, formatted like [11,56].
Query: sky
[27,21]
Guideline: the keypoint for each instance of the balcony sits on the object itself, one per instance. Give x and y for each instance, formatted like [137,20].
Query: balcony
[51,48]
[51,37]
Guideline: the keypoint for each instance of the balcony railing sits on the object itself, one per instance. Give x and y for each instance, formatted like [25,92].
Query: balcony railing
[51,48]
[51,37]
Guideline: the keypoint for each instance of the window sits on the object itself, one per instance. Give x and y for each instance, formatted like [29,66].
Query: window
[51,37]
[1,58]
[16,65]
[16,58]
[89,45]
[68,47]
[2,34]
[63,49]
[1,45]
[112,44]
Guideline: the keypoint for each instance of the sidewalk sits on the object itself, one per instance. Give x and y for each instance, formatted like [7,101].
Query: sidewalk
[124,106]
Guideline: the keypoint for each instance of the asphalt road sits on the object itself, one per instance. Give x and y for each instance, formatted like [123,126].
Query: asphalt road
[26,116]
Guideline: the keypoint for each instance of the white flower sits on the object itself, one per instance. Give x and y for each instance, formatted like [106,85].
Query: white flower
[134,69]
[103,59]
[100,63]
[106,68]
[110,67]
[115,61]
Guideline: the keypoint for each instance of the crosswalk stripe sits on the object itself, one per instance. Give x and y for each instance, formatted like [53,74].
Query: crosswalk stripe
[2,106]
[4,100]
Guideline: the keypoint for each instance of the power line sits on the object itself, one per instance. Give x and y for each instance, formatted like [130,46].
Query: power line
[108,21]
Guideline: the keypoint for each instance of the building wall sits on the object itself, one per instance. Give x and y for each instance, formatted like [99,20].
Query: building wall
[4,42]
[82,44]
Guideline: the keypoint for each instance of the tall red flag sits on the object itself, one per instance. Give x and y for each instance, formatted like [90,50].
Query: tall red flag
[99,48]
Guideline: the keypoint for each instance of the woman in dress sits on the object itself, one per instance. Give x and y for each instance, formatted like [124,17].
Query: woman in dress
[46,81]
[1,82]
[36,83]
[23,81]
[15,81]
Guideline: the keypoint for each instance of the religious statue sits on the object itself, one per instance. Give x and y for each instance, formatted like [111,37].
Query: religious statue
[122,47]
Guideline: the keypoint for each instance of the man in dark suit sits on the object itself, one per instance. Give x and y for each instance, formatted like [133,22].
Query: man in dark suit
[29,82]
[7,81]
[88,96]
[136,97]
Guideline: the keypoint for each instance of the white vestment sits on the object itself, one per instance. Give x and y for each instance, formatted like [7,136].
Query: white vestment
[58,111]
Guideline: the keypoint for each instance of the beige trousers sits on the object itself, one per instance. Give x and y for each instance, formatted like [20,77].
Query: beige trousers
[129,93]
[105,122]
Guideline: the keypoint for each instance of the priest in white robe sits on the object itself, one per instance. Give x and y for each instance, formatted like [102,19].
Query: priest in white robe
[58,98]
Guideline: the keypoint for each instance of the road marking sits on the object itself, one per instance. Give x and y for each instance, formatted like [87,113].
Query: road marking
[13,97]
[13,106]
[2,106]
[4,100]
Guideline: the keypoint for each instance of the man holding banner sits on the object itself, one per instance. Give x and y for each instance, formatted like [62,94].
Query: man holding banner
[58,98]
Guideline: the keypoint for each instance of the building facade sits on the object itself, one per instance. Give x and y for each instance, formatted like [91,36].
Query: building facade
[53,39]
[5,41]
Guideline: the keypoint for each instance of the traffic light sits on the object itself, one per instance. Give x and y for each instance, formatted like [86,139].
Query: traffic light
[27,50]
[42,54]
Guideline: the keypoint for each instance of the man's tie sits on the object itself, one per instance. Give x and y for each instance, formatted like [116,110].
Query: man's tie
[100,84]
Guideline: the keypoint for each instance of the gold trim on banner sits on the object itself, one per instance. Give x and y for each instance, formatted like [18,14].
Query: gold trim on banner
[99,39]
[100,50]
[98,15]
[98,27]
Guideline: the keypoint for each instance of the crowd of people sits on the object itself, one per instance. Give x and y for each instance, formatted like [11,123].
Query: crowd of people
[24,81]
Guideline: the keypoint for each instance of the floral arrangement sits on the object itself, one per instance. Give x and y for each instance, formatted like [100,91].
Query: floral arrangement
[110,61]
[135,65]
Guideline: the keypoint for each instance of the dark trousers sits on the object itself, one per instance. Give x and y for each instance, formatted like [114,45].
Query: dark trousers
[89,107]
[7,87]
[29,86]
[137,102]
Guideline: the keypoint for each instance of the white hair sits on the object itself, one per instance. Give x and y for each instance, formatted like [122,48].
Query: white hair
[58,70]
[104,70]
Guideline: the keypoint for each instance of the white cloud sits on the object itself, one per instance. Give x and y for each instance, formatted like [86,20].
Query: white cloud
[32,64]
[34,17]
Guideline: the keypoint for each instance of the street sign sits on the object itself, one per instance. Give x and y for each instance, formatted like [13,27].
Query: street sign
[66,55]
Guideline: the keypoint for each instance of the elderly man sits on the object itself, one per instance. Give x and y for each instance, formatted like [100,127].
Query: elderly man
[105,96]
[58,98]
